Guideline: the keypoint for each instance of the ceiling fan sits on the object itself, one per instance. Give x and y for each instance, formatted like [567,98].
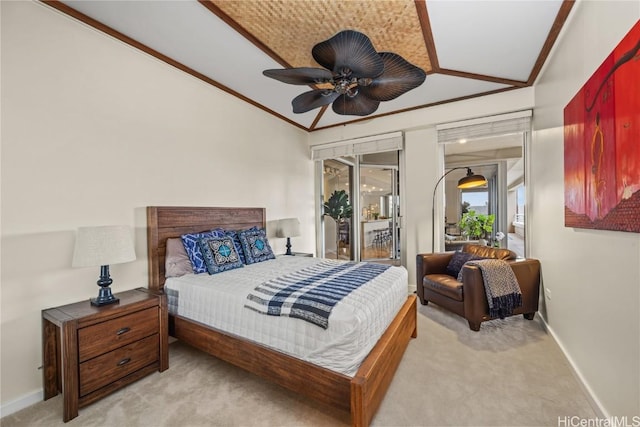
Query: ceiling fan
[356,79]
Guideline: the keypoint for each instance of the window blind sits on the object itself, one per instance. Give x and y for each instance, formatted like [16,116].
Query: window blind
[484,127]
[370,144]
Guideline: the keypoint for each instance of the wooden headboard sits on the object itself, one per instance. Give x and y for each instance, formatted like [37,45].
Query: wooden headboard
[173,221]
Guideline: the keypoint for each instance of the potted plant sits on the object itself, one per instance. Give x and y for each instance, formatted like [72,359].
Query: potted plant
[476,226]
[338,208]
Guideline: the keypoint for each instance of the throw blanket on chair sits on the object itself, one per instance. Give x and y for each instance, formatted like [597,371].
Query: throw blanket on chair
[500,285]
[311,293]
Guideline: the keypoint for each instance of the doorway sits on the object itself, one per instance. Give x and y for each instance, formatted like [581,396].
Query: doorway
[380,206]
[337,175]
[371,181]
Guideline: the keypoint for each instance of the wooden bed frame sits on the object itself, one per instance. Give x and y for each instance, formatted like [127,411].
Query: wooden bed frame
[361,395]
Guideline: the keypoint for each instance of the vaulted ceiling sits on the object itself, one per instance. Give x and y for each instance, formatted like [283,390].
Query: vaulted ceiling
[467,48]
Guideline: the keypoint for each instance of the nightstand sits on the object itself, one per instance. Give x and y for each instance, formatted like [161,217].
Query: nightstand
[89,352]
[307,254]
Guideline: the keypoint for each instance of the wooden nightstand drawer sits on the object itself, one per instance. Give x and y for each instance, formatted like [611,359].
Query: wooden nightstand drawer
[106,336]
[112,366]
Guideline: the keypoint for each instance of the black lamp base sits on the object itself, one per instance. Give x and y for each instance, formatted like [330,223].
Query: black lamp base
[104,296]
[104,301]
[288,246]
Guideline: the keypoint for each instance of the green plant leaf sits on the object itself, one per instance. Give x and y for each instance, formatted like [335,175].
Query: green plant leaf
[475,225]
[338,206]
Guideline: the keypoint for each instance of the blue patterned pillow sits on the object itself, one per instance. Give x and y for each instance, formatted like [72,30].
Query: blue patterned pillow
[236,242]
[190,242]
[218,233]
[219,254]
[255,245]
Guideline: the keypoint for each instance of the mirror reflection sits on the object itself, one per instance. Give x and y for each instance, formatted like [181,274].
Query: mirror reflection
[500,160]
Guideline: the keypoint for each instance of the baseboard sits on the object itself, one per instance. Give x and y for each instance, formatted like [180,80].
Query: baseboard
[595,403]
[21,403]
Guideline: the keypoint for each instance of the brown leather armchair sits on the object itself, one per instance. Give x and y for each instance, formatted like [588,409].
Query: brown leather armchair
[468,298]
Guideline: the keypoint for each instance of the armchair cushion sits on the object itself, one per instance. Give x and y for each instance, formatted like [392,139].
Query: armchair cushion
[444,285]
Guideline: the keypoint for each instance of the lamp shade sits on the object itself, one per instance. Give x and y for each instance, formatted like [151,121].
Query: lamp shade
[112,244]
[288,227]
[472,180]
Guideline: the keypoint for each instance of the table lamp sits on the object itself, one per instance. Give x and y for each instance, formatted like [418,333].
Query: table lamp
[102,246]
[288,227]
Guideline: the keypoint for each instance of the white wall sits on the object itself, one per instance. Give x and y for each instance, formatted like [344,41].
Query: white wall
[452,205]
[93,131]
[593,276]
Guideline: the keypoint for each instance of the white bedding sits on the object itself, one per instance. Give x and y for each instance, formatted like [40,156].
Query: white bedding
[355,325]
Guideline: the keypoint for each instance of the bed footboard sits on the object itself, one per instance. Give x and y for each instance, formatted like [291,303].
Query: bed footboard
[370,384]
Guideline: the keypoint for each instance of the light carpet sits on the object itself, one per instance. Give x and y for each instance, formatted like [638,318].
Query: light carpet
[510,373]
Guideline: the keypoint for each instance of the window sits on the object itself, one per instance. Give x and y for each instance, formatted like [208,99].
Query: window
[475,200]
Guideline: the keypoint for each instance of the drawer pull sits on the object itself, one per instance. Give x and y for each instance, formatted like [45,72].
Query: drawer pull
[123,331]
[124,361]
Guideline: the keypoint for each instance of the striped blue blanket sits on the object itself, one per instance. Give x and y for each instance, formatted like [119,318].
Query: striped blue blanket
[311,293]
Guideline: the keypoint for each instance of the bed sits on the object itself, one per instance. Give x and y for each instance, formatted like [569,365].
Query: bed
[361,394]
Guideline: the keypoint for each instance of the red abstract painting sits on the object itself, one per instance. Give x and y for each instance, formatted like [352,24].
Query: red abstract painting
[602,144]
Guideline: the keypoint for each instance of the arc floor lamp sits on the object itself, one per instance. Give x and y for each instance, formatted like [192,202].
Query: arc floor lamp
[471,180]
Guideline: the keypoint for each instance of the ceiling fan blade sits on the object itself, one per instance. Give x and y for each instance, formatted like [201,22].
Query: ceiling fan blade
[358,105]
[300,76]
[399,77]
[312,99]
[349,49]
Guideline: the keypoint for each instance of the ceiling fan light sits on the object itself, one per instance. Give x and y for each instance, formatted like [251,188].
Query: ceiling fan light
[472,180]
[360,77]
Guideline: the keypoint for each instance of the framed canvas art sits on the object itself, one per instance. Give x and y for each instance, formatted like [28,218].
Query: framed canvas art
[602,144]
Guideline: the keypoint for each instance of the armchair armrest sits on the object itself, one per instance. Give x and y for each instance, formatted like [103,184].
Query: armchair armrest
[527,272]
[476,308]
[431,263]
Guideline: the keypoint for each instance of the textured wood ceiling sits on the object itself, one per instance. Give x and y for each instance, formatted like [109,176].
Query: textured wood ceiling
[394,26]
